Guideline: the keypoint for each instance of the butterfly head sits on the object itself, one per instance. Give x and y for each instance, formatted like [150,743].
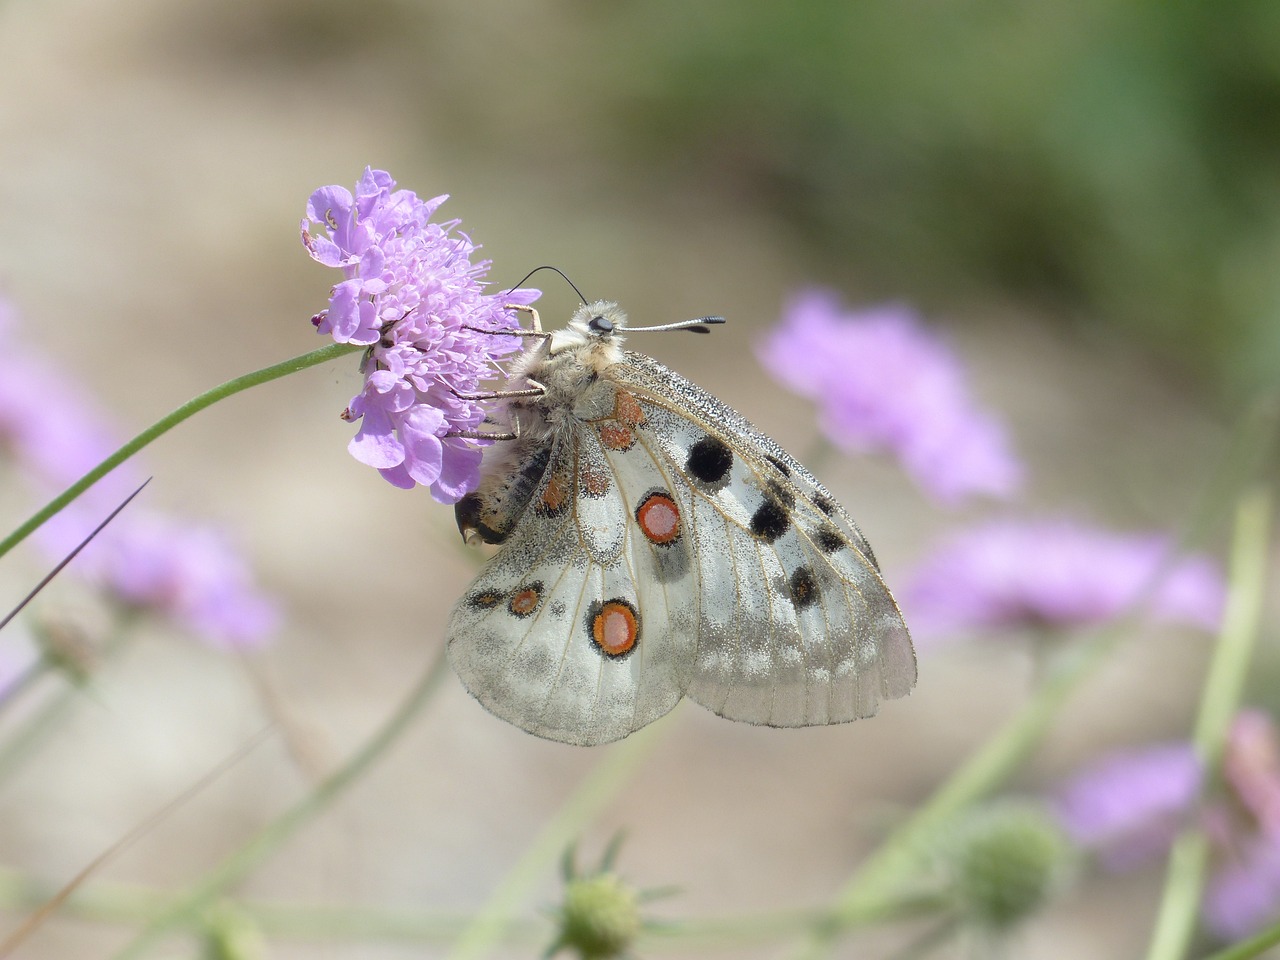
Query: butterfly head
[601,320]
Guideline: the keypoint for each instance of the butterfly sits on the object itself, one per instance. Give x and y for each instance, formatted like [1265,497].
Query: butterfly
[656,545]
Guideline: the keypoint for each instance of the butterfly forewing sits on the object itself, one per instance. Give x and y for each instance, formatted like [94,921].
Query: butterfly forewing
[795,625]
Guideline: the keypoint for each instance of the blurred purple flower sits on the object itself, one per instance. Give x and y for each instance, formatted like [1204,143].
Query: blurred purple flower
[885,382]
[186,572]
[413,295]
[1128,807]
[176,569]
[1010,574]
[46,424]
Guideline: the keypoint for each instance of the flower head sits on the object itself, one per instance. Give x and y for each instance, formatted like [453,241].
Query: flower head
[413,295]
[1008,574]
[884,382]
[171,567]
[50,429]
[1003,862]
[1127,807]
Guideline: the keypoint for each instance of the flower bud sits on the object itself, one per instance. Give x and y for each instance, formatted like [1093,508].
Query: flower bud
[1004,862]
[600,917]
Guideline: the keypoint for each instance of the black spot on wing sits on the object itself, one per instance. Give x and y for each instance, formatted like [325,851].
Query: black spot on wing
[829,541]
[779,465]
[825,504]
[804,587]
[770,521]
[709,460]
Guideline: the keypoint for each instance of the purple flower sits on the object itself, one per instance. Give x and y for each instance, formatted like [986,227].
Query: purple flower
[885,382]
[46,425]
[412,293]
[188,573]
[1009,574]
[173,568]
[1128,807]
[1243,895]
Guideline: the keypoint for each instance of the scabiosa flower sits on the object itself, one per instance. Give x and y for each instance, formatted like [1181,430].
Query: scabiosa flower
[47,426]
[884,382]
[1010,574]
[412,294]
[186,572]
[1129,806]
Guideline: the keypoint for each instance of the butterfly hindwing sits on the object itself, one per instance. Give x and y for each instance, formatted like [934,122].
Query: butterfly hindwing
[570,631]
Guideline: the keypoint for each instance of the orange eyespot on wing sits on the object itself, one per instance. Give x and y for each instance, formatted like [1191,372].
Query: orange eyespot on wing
[616,436]
[659,518]
[626,410]
[555,496]
[614,627]
[525,600]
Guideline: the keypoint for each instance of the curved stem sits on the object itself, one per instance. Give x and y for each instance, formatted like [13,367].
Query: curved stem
[164,425]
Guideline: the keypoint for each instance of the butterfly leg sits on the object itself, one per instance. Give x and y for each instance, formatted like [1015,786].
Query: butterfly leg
[533,315]
[481,435]
[536,391]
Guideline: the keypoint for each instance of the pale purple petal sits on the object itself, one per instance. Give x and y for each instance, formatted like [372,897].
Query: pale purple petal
[1059,573]
[413,294]
[1127,807]
[885,383]
[1243,895]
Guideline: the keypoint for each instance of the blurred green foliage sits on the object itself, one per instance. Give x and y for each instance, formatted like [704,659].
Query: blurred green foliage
[1117,160]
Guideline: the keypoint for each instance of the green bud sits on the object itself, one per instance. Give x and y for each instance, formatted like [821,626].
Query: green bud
[1004,862]
[230,934]
[600,917]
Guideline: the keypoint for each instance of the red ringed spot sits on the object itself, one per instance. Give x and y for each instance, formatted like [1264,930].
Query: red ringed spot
[555,494]
[525,600]
[594,483]
[626,410]
[659,517]
[617,437]
[614,626]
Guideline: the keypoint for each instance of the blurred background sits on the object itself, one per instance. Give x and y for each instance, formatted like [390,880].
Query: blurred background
[1084,197]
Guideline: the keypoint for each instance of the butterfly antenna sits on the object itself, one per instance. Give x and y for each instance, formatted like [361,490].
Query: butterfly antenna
[698,325]
[554,270]
[70,556]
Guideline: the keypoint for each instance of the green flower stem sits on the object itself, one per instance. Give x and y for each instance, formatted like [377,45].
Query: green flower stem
[186,910]
[1184,880]
[130,904]
[1255,946]
[164,425]
[596,790]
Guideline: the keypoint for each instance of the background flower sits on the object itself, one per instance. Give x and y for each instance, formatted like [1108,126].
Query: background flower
[1008,574]
[884,382]
[1129,806]
[415,297]
[187,572]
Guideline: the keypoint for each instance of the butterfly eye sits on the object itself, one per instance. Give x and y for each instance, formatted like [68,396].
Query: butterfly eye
[600,324]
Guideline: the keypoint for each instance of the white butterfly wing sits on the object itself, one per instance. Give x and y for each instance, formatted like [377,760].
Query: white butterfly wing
[794,625]
[574,631]
[665,547]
